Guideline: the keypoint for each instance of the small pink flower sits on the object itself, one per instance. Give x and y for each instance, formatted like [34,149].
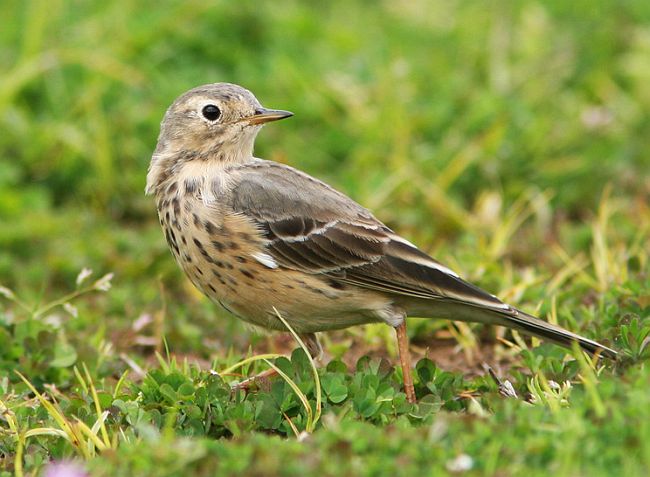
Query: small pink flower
[64,469]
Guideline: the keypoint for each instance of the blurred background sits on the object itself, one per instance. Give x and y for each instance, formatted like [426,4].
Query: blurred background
[509,139]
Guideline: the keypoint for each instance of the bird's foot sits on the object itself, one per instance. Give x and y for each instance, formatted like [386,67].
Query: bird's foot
[259,381]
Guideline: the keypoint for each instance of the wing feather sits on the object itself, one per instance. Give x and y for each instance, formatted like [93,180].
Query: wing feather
[313,228]
[308,226]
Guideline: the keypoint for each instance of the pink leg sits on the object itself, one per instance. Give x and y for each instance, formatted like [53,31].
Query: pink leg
[246,384]
[314,348]
[405,361]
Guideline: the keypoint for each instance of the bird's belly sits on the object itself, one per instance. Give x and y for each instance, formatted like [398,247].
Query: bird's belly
[307,303]
[221,257]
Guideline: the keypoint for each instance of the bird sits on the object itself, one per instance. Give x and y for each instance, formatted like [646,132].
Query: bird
[261,238]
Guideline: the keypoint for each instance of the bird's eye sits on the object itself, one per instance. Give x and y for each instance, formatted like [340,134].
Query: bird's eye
[211,112]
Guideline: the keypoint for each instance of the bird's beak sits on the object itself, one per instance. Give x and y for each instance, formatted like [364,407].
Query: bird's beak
[263,115]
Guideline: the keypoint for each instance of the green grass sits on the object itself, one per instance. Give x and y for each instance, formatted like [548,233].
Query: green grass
[508,139]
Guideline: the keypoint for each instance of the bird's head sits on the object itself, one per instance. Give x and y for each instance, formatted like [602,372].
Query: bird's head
[214,123]
[216,115]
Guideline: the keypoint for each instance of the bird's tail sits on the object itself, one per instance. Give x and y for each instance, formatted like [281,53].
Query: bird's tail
[505,315]
[530,325]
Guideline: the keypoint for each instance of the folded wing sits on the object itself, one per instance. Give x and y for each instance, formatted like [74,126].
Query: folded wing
[315,229]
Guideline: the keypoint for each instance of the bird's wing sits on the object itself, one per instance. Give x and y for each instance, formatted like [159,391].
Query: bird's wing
[311,227]
[315,229]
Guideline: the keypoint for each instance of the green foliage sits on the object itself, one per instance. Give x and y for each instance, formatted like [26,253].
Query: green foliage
[33,338]
[509,139]
[130,422]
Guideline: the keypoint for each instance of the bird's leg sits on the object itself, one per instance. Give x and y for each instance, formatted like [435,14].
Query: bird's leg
[405,361]
[313,346]
[254,381]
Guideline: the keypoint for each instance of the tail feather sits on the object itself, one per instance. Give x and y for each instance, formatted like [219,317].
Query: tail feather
[528,324]
[508,317]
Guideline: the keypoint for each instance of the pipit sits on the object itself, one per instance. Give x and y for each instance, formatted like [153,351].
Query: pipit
[258,237]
